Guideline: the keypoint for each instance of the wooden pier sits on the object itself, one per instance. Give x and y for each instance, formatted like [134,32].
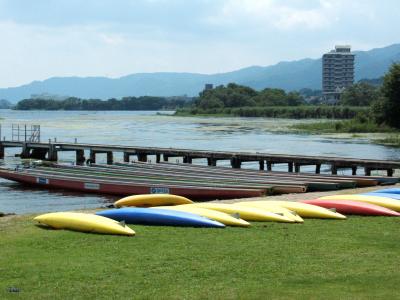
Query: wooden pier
[49,151]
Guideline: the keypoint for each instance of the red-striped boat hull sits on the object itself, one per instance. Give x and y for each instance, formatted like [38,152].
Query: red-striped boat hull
[125,189]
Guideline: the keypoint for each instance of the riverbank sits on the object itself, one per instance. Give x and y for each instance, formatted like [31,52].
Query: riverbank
[317,259]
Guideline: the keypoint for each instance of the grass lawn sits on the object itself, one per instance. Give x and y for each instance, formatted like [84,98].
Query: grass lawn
[356,258]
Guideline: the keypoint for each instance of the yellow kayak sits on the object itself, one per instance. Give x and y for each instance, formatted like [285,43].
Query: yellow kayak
[210,214]
[245,213]
[381,201]
[308,210]
[149,200]
[273,208]
[84,222]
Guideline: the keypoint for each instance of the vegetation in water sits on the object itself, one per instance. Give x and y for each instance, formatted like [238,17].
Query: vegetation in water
[291,112]
[393,140]
[359,124]
[317,259]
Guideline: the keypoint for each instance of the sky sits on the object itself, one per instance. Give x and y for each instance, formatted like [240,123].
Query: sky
[46,38]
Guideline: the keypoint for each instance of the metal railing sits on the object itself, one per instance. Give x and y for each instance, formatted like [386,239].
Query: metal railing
[25,133]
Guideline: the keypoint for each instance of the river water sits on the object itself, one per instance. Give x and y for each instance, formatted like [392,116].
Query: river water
[152,129]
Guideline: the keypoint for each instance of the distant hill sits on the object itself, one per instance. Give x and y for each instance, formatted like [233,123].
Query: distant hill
[294,75]
[5,104]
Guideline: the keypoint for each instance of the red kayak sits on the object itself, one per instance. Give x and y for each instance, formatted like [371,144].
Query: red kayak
[354,207]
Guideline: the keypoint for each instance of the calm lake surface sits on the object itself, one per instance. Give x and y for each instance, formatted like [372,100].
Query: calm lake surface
[151,129]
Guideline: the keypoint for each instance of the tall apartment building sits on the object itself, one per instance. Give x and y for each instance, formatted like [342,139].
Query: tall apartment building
[337,72]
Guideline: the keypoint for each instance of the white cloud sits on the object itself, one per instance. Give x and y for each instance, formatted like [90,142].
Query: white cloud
[283,15]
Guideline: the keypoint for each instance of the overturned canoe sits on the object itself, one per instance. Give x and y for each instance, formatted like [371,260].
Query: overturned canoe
[354,207]
[221,217]
[160,217]
[274,209]
[149,200]
[245,213]
[309,211]
[84,223]
[381,201]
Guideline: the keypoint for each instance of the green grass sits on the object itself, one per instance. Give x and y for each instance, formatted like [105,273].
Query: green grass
[320,259]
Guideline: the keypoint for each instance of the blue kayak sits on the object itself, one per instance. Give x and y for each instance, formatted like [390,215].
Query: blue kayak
[387,195]
[147,216]
[390,191]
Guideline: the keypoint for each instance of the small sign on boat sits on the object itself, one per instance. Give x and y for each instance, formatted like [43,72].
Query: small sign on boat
[159,190]
[91,186]
[42,180]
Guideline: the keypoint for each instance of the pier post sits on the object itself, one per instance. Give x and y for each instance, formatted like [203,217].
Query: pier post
[318,169]
[53,154]
[367,171]
[92,157]
[1,152]
[126,157]
[390,172]
[269,166]
[353,170]
[262,165]
[187,160]
[26,152]
[290,167]
[211,161]
[110,158]
[80,157]
[297,168]
[334,169]
[158,158]
[142,157]
[236,163]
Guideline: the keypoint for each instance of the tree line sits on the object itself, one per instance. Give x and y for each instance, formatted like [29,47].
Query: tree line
[126,103]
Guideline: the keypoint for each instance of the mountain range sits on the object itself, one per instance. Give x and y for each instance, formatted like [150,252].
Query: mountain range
[291,75]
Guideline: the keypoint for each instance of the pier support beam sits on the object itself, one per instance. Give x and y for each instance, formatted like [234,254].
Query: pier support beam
[353,170]
[262,165]
[236,163]
[318,169]
[142,157]
[158,158]
[367,171]
[92,158]
[211,162]
[290,167]
[80,157]
[390,172]
[165,157]
[297,168]
[1,152]
[269,166]
[334,169]
[187,160]
[110,158]
[26,152]
[53,154]
[126,156]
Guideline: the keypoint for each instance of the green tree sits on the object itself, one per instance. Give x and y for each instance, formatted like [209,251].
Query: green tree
[387,108]
[359,94]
